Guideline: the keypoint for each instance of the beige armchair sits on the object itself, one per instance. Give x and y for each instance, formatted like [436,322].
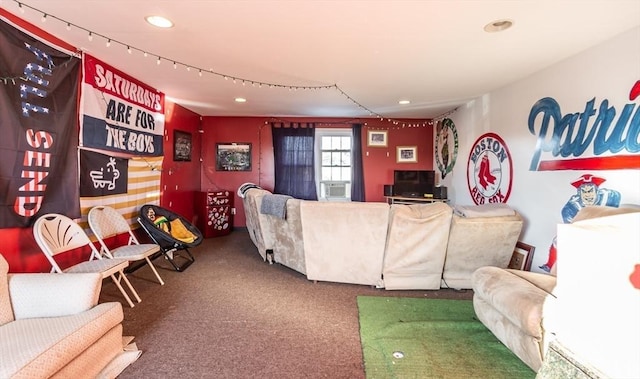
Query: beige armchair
[521,308]
[51,325]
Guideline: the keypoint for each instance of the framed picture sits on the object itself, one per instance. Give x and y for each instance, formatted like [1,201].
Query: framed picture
[377,138]
[233,156]
[522,257]
[407,154]
[181,146]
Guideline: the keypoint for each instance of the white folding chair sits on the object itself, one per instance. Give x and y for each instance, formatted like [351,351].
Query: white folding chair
[106,222]
[56,233]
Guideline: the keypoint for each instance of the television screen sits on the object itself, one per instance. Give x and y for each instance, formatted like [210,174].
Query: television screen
[413,183]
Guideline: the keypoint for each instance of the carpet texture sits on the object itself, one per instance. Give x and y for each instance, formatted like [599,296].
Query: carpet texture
[431,338]
[232,315]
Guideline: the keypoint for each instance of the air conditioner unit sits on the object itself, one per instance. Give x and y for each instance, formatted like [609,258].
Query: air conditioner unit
[336,190]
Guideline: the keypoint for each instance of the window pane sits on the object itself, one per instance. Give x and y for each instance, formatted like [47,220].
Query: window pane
[326,159]
[345,158]
[346,143]
[335,143]
[326,173]
[335,173]
[346,173]
[326,143]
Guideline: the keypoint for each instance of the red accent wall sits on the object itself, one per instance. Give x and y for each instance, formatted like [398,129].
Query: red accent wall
[180,180]
[378,162]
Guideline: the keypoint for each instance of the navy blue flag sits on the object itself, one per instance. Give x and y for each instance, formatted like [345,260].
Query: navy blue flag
[39,129]
[102,175]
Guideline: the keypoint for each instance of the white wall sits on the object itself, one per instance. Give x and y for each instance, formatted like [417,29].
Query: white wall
[607,72]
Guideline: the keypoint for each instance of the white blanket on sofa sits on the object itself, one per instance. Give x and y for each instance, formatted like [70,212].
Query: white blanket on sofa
[344,242]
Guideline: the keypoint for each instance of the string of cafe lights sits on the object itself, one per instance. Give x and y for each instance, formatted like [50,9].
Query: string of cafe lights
[91,35]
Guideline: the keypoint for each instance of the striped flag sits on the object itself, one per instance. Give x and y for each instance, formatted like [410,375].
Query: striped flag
[118,112]
[143,183]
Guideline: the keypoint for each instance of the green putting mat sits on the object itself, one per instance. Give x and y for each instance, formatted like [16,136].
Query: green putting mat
[431,338]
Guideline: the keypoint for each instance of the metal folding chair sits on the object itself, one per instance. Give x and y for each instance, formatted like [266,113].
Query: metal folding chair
[56,234]
[106,222]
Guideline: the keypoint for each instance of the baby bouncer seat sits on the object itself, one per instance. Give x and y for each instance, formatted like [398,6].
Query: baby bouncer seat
[172,232]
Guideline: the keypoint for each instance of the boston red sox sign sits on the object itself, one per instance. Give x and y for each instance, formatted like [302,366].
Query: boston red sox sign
[489,170]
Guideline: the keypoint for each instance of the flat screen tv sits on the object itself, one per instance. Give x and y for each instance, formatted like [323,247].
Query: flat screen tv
[413,183]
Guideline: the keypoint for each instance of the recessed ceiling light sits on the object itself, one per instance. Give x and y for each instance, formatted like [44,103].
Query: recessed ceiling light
[240,100]
[498,26]
[159,21]
[404,102]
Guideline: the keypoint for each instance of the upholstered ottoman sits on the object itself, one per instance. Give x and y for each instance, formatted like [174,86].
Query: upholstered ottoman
[515,305]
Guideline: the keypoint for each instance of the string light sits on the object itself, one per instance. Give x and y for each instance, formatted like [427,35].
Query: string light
[244,81]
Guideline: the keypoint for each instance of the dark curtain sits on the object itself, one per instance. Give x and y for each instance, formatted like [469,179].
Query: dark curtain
[357,176]
[293,149]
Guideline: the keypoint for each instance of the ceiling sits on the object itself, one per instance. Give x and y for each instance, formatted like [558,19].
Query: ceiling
[364,56]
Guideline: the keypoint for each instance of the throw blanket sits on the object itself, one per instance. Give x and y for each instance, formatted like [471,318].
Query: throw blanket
[275,205]
[484,210]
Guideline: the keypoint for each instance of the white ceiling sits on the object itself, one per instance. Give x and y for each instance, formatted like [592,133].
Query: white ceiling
[432,52]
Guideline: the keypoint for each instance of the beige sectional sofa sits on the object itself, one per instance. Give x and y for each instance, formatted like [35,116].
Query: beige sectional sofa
[416,246]
[52,326]
[372,243]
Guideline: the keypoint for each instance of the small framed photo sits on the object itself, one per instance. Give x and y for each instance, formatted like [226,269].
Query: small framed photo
[377,138]
[233,156]
[181,146]
[407,154]
[522,257]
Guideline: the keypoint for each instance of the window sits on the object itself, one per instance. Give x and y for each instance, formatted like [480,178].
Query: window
[334,164]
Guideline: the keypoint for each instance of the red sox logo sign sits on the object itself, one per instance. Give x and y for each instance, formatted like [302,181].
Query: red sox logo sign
[489,170]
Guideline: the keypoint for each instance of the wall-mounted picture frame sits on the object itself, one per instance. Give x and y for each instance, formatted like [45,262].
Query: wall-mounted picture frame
[377,138]
[407,154]
[182,146]
[522,257]
[235,156]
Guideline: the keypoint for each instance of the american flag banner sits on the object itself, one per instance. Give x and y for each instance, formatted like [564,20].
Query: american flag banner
[38,121]
[143,187]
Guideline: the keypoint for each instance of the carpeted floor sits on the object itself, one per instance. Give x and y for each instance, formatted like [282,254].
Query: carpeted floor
[232,315]
[431,338]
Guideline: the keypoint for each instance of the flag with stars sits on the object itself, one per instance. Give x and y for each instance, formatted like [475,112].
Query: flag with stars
[39,129]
